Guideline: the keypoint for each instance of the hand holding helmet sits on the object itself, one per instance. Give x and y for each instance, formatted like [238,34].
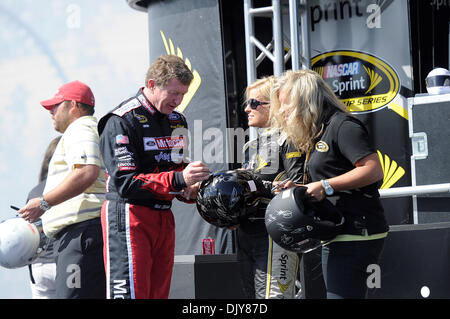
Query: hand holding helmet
[32,210]
[299,224]
[19,243]
[227,198]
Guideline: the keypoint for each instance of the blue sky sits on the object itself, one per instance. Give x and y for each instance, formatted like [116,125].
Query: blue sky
[44,44]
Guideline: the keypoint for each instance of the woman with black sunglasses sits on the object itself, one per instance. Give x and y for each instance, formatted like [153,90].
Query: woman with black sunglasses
[267,270]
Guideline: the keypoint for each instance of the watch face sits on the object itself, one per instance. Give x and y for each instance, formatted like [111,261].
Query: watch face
[327,187]
[44,205]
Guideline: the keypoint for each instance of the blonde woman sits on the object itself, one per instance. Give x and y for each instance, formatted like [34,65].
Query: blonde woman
[267,270]
[342,164]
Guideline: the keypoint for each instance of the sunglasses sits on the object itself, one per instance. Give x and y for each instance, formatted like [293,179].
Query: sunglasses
[253,103]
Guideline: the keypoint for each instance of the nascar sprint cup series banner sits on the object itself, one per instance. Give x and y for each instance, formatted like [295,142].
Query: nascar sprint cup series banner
[191,30]
[362,50]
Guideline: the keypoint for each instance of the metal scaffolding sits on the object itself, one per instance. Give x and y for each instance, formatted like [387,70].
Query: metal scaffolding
[282,47]
[291,41]
[297,44]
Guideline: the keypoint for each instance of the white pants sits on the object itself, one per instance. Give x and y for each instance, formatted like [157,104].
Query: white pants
[44,278]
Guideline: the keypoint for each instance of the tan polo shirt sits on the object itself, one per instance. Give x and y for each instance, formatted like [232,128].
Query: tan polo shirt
[78,145]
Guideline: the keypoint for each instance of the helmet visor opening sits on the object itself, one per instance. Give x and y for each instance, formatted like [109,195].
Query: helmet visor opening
[438,80]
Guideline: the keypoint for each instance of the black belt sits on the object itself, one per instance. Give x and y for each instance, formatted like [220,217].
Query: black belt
[156,205]
[153,204]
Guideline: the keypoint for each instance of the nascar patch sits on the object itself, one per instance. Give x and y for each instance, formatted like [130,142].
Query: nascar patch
[141,118]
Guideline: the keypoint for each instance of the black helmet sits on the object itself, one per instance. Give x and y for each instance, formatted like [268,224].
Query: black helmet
[299,224]
[228,197]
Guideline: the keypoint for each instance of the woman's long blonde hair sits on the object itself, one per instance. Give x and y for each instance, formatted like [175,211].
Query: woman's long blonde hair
[310,99]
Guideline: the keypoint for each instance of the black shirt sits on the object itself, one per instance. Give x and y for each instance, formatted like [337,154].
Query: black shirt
[345,140]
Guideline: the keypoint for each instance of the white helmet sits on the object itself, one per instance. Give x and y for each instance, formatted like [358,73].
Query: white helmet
[19,243]
[438,81]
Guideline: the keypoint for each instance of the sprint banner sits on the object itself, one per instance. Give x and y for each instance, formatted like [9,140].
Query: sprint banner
[362,50]
[363,82]
[192,31]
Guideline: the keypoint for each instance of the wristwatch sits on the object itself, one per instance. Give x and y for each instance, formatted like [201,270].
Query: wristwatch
[327,187]
[43,204]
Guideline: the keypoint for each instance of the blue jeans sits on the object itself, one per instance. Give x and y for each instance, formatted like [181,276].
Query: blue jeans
[344,266]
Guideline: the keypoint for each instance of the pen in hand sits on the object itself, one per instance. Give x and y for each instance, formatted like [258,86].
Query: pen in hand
[15,208]
[279,185]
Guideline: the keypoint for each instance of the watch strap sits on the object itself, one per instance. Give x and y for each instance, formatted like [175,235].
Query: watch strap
[327,187]
[44,205]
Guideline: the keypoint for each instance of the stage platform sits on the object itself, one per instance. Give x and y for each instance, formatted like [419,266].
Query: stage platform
[415,264]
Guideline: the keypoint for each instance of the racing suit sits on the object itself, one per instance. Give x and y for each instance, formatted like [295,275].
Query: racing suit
[143,164]
[267,270]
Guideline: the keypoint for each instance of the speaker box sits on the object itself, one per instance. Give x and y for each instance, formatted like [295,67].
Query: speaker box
[429,130]
[415,263]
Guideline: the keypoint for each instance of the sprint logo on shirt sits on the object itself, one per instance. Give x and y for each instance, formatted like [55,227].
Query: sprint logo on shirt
[321,146]
[163,143]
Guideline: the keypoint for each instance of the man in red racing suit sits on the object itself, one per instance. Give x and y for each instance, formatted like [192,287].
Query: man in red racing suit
[144,165]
